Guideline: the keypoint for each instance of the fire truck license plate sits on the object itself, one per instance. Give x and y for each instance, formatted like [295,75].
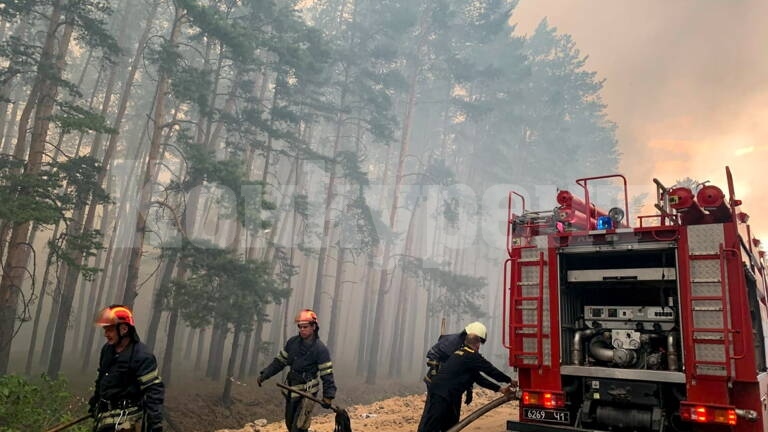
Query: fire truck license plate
[546,415]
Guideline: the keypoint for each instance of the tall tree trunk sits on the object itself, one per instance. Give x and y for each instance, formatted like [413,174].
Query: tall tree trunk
[378,317]
[338,287]
[7,140]
[94,91]
[329,197]
[145,195]
[257,342]
[399,331]
[242,372]
[364,339]
[189,343]
[200,349]
[49,68]
[125,95]
[78,314]
[39,309]
[170,341]
[5,100]
[157,301]
[167,370]
[106,220]
[68,291]
[206,137]
[226,396]
[213,370]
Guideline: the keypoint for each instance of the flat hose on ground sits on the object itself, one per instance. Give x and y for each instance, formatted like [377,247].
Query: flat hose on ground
[69,424]
[343,423]
[483,410]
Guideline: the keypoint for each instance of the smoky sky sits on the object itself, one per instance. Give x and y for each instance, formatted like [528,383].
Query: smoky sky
[686,83]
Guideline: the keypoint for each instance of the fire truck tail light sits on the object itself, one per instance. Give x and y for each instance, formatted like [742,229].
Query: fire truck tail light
[708,414]
[543,399]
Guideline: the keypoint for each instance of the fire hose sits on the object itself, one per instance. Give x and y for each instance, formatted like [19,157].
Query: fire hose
[483,410]
[65,425]
[342,420]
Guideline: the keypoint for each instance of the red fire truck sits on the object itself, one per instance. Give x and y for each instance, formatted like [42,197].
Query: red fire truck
[653,326]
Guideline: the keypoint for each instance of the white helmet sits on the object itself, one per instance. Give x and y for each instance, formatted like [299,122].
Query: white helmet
[476,328]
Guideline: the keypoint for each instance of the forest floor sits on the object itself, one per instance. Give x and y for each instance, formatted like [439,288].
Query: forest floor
[388,406]
[395,414]
[193,404]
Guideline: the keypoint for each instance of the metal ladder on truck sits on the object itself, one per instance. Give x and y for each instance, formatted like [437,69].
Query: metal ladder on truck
[524,298]
[710,335]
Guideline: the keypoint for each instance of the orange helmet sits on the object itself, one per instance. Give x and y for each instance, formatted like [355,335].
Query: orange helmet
[114,315]
[306,316]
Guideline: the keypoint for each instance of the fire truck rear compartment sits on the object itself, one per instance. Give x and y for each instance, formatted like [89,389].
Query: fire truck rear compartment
[620,339]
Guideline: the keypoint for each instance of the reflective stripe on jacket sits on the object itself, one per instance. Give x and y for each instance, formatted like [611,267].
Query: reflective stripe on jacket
[309,362]
[130,378]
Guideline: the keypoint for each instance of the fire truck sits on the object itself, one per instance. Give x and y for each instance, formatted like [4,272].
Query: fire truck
[659,325]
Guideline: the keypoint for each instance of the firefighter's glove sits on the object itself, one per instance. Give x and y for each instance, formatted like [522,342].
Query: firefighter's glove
[327,402]
[259,380]
[433,367]
[468,397]
[92,407]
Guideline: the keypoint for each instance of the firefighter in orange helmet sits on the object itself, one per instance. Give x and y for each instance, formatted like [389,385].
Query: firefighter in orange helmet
[310,363]
[128,395]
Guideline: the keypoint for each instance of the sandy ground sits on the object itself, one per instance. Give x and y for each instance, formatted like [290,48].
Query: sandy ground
[397,414]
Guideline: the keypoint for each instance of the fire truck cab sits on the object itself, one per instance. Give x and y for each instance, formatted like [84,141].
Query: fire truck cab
[656,326]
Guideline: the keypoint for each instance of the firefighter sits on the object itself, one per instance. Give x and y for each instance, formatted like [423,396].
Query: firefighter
[447,345]
[128,395]
[463,368]
[310,363]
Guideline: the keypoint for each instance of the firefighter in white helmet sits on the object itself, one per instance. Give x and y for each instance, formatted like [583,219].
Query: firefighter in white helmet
[447,345]
[462,369]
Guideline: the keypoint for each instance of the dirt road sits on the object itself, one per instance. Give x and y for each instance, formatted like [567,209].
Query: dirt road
[399,414]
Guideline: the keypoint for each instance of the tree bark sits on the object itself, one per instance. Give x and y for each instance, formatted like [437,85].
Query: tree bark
[338,287]
[378,317]
[167,369]
[87,330]
[364,339]
[157,303]
[257,341]
[68,292]
[200,349]
[18,252]
[242,372]
[6,147]
[189,342]
[226,396]
[145,195]
[399,325]
[5,96]
[50,326]
[329,197]
[39,309]
[215,351]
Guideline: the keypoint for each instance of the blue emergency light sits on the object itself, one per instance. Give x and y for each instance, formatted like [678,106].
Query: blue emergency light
[604,223]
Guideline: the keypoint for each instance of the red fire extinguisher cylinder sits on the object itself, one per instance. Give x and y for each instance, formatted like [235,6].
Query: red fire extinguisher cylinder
[712,199]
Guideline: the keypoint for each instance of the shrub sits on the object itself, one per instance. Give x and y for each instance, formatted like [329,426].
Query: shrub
[35,405]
